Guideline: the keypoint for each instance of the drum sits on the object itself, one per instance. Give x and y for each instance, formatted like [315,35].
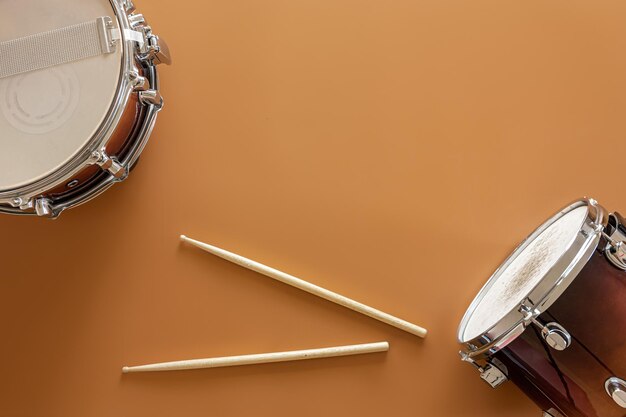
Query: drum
[79,96]
[552,318]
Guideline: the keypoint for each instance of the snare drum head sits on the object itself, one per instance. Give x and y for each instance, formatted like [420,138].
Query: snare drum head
[523,271]
[47,116]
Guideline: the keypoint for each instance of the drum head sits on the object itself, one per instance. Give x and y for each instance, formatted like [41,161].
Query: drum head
[522,272]
[47,116]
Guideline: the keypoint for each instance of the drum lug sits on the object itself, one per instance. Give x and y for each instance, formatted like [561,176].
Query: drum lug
[136,19]
[151,97]
[138,82]
[158,50]
[154,49]
[110,164]
[555,335]
[43,207]
[616,389]
[129,6]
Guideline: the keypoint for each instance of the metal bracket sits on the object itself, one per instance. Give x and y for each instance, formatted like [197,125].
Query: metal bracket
[555,335]
[615,249]
[493,376]
[493,373]
[105,26]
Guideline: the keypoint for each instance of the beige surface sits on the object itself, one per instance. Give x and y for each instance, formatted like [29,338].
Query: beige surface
[392,151]
[46,116]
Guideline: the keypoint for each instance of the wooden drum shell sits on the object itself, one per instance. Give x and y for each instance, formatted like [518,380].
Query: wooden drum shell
[122,137]
[593,310]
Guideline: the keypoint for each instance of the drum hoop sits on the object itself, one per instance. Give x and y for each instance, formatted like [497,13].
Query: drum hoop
[101,137]
[547,291]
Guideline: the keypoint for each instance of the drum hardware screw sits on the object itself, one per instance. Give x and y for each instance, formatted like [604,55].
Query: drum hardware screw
[138,82]
[95,157]
[616,388]
[16,202]
[111,26]
[72,183]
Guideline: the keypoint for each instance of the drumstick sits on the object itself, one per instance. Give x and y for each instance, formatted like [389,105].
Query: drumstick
[295,355]
[310,288]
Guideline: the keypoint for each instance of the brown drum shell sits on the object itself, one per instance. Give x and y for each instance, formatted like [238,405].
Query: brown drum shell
[593,310]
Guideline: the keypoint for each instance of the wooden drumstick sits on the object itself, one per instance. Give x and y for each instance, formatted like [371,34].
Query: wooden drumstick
[310,288]
[295,355]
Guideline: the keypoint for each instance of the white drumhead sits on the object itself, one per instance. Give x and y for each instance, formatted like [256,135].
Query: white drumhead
[513,284]
[48,115]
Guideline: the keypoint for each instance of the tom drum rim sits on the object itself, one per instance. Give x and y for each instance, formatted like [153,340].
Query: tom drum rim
[543,294]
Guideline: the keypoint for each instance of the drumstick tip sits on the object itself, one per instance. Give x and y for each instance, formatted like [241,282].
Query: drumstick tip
[183,238]
[125,370]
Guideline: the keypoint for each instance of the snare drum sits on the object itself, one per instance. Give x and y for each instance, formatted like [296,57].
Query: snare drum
[552,318]
[79,96]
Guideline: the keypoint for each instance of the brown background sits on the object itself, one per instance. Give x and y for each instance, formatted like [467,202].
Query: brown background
[391,151]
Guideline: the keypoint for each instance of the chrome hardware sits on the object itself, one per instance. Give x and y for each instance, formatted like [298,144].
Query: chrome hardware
[615,235]
[27,205]
[493,373]
[43,207]
[553,333]
[136,20]
[72,184]
[158,50]
[493,376]
[151,97]
[556,336]
[153,49]
[129,6]
[616,253]
[141,50]
[117,170]
[616,388]
[138,82]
